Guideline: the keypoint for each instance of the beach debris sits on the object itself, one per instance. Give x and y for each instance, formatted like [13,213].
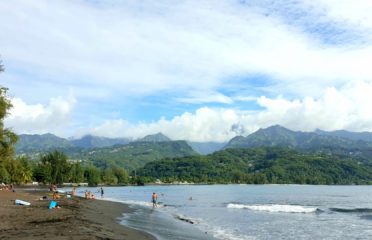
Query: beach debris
[20,202]
[185,219]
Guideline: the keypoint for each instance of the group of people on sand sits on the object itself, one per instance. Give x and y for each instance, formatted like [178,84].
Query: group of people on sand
[90,195]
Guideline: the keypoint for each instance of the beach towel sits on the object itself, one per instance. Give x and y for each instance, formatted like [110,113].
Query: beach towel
[52,204]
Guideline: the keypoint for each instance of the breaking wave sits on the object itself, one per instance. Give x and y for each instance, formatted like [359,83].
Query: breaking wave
[275,208]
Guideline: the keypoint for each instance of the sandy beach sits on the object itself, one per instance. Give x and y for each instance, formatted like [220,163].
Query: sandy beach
[77,218]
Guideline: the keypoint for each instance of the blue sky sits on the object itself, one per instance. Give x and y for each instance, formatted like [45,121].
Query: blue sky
[191,69]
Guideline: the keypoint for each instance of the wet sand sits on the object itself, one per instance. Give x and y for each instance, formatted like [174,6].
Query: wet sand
[77,218]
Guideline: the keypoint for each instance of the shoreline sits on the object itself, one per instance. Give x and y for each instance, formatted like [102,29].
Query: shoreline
[78,218]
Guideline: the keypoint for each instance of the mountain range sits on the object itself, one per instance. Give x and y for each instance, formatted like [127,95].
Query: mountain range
[135,153]
[36,143]
[349,144]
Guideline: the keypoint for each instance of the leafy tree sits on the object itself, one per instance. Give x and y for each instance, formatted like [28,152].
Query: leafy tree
[7,137]
[260,166]
[108,177]
[92,174]
[54,168]
[121,175]
[77,173]
[4,175]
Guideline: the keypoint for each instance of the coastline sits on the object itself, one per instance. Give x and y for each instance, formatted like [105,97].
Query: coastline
[78,218]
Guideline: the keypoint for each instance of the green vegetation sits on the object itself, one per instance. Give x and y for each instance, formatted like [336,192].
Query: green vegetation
[89,141]
[55,168]
[130,156]
[133,155]
[260,166]
[11,169]
[40,143]
[307,142]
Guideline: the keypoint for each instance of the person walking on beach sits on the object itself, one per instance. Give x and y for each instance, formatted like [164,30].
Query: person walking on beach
[101,190]
[154,200]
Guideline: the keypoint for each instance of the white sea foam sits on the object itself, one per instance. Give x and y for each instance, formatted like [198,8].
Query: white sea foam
[226,234]
[274,208]
[130,202]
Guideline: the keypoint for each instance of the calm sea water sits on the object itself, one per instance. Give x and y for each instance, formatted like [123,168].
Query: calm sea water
[249,211]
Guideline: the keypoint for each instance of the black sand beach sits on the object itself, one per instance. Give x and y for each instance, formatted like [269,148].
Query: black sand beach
[77,218]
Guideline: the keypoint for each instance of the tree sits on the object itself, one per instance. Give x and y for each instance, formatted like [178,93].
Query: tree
[7,137]
[54,168]
[92,175]
[121,175]
[77,173]
[108,177]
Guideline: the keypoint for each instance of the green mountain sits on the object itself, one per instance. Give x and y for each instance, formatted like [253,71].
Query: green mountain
[90,141]
[92,150]
[134,154]
[304,141]
[159,137]
[260,166]
[357,136]
[40,143]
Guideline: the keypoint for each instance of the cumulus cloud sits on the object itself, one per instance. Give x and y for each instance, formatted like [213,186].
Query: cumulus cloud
[54,117]
[190,51]
[346,108]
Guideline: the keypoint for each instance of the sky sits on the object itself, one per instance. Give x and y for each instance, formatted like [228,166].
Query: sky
[194,70]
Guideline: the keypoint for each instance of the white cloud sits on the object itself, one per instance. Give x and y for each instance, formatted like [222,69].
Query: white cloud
[206,97]
[54,117]
[140,48]
[357,12]
[346,108]
[190,50]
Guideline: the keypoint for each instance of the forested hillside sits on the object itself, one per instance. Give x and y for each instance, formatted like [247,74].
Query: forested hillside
[260,166]
[309,142]
[133,155]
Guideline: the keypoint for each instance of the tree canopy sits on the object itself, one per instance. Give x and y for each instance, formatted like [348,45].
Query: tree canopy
[7,139]
[260,166]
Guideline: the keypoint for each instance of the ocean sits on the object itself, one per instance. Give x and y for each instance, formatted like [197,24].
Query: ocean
[248,211]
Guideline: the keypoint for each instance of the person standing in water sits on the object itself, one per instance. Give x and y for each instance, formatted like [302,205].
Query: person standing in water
[101,190]
[154,200]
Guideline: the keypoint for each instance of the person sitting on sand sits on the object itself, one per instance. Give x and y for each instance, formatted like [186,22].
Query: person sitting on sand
[56,196]
[73,192]
[154,200]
